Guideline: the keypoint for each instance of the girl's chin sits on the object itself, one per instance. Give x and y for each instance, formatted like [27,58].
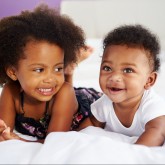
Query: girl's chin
[45,98]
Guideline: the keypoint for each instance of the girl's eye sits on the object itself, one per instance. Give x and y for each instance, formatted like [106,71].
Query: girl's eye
[38,70]
[128,70]
[107,68]
[59,69]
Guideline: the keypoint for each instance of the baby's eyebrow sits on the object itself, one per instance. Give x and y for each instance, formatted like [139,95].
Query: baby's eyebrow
[123,64]
[106,61]
[128,64]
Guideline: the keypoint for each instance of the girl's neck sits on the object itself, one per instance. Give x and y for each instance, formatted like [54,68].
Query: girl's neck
[32,107]
[31,100]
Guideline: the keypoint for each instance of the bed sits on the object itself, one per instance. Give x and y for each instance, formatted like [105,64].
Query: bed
[89,146]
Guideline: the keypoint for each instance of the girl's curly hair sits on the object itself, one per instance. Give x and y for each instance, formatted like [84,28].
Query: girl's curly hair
[43,23]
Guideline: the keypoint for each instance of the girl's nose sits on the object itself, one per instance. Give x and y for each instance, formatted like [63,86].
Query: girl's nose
[49,78]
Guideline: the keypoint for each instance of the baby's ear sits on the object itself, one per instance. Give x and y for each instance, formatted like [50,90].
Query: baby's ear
[11,73]
[151,80]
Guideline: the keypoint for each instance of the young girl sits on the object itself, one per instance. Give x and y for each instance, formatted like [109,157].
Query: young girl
[35,47]
[128,71]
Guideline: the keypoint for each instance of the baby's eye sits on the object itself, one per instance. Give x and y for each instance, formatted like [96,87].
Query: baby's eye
[107,68]
[38,70]
[128,70]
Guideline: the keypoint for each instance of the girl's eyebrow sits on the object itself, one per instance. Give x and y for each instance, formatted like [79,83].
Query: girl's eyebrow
[41,64]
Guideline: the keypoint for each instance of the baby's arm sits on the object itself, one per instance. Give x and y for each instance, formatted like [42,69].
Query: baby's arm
[154,134]
[97,123]
[91,121]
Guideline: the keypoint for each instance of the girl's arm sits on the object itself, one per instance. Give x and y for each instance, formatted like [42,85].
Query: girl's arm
[64,107]
[7,112]
[154,134]
[7,105]
[8,135]
[8,101]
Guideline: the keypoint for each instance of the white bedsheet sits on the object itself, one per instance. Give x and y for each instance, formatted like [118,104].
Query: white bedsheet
[92,145]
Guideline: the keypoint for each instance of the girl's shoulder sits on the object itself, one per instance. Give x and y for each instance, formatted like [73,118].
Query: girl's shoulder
[65,97]
[10,100]
[66,91]
[66,88]
[11,89]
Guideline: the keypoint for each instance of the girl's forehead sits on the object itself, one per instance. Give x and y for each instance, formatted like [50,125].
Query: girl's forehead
[43,51]
[41,46]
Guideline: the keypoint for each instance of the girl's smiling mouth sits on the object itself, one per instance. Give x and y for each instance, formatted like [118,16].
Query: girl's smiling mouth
[46,91]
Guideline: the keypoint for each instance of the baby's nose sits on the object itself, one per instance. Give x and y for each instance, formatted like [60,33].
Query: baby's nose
[115,78]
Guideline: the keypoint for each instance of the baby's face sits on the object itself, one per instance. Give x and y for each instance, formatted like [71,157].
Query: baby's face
[125,73]
[41,72]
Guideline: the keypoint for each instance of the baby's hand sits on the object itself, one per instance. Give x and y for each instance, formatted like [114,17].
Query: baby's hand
[7,135]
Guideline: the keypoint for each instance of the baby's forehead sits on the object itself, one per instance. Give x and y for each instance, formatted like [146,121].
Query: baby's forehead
[141,55]
[141,48]
[127,52]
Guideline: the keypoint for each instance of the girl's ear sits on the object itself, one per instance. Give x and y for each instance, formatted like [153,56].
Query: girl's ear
[11,73]
[151,80]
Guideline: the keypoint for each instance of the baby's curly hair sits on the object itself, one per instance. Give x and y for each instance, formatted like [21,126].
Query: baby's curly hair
[136,36]
[43,23]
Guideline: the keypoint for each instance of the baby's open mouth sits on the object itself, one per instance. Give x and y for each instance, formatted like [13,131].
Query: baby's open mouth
[116,89]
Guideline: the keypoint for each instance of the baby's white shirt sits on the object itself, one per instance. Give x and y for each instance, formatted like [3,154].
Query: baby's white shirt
[151,106]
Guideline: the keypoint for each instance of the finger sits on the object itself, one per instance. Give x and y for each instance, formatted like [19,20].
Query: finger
[6,134]
[2,123]
[2,126]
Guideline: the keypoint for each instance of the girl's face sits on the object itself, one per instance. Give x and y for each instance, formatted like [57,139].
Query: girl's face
[41,73]
[125,73]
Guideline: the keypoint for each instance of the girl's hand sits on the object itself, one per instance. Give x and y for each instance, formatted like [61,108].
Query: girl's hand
[2,126]
[7,135]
